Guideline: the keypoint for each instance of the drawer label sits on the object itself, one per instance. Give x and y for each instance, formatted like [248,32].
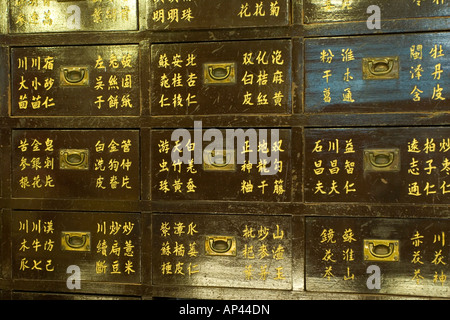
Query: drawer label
[56,16]
[248,251]
[105,247]
[221,78]
[190,167]
[97,164]
[383,165]
[204,14]
[48,81]
[367,74]
[363,255]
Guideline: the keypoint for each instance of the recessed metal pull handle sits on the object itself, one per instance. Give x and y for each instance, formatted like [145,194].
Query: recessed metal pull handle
[381,250]
[382,160]
[75,241]
[381,68]
[219,73]
[75,159]
[220,246]
[226,164]
[74,76]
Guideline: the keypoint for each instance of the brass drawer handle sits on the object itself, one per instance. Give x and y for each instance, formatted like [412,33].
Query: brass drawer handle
[381,68]
[220,246]
[382,160]
[219,73]
[75,241]
[74,76]
[209,163]
[76,159]
[381,250]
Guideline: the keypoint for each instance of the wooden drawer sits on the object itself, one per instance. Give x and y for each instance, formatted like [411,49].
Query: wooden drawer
[377,255]
[251,251]
[60,296]
[60,15]
[221,77]
[49,81]
[80,164]
[381,165]
[205,14]
[231,171]
[317,11]
[104,246]
[370,74]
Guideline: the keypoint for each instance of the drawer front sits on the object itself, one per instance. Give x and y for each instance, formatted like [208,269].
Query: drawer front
[21,295]
[316,11]
[205,14]
[369,74]
[382,165]
[366,255]
[49,81]
[221,78]
[80,164]
[105,247]
[222,250]
[233,170]
[61,15]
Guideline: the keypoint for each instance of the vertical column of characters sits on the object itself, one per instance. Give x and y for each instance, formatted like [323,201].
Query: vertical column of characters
[429,168]
[338,253]
[264,78]
[180,183]
[113,164]
[37,163]
[264,181]
[115,82]
[429,260]
[428,63]
[37,248]
[116,248]
[264,253]
[329,165]
[178,77]
[341,78]
[33,83]
[179,250]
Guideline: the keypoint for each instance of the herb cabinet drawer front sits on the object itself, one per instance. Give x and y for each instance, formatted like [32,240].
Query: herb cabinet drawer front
[75,164]
[99,247]
[251,251]
[206,14]
[376,255]
[329,11]
[75,81]
[187,166]
[82,15]
[371,75]
[221,77]
[22,295]
[380,165]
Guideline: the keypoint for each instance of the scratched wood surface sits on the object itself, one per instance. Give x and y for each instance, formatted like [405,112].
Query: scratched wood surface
[341,73]
[377,165]
[383,113]
[50,80]
[333,11]
[410,254]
